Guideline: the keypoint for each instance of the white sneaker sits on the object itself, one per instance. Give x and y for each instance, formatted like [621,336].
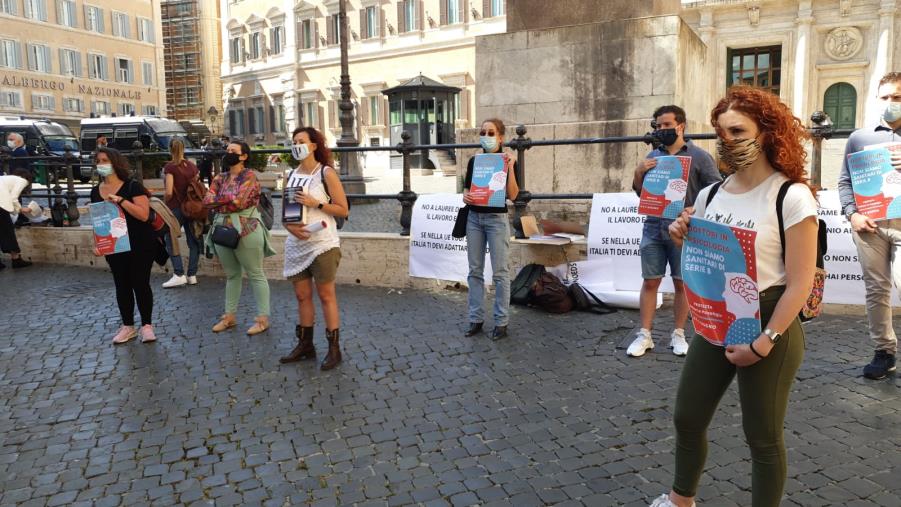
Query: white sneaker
[664,501]
[175,281]
[641,344]
[192,280]
[678,343]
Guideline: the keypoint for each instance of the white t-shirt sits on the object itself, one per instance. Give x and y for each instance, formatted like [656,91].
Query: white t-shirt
[756,210]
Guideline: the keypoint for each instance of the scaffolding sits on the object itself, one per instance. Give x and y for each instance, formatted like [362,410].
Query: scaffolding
[183,45]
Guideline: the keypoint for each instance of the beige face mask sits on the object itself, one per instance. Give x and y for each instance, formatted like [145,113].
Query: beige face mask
[738,154]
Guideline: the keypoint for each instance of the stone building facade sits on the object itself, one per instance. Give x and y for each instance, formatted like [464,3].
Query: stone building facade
[818,55]
[66,59]
[281,61]
[601,73]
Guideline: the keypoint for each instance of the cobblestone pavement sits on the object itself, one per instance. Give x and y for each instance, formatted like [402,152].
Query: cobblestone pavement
[416,414]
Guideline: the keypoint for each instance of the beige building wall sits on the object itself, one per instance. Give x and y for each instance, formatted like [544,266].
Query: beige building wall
[823,43]
[301,84]
[62,60]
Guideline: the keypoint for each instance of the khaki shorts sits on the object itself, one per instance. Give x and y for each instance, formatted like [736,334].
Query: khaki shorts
[324,268]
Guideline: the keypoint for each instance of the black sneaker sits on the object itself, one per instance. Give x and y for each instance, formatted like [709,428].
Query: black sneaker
[882,364]
[20,263]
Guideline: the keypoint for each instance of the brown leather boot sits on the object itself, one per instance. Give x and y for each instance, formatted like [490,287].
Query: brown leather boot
[304,348]
[334,351]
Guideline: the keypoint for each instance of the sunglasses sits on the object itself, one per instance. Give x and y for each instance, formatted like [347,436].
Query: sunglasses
[487,133]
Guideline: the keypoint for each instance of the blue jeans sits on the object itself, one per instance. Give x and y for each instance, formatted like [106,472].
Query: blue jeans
[193,247]
[491,231]
[658,250]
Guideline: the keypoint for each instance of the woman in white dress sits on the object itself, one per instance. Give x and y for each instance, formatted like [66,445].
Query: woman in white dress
[313,257]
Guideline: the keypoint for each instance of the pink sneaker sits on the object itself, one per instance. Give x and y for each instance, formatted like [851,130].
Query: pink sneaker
[147,335]
[125,334]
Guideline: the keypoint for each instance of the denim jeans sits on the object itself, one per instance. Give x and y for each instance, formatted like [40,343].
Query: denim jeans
[657,250]
[193,247]
[491,231]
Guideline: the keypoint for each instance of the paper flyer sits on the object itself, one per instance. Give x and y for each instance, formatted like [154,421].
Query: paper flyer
[489,180]
[110,228]
[876,184]
[664,187]
[720,274]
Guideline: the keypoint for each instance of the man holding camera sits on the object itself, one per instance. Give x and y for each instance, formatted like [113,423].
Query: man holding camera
[657,249]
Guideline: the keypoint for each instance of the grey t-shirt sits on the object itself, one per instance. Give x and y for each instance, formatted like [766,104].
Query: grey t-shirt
[703,171]
[859,139]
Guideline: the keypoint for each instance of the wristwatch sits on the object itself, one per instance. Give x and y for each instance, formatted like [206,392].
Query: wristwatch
[320,205]
[772,335]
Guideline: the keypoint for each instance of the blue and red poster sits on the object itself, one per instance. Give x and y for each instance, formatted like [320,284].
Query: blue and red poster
[876,184]
[110,228]
[489,180]
[664,187]
[719,269]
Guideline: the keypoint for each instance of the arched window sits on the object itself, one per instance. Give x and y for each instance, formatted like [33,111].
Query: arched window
[840,103]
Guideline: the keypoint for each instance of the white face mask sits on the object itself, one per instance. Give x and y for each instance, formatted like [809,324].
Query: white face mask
[104,170]
[489,143]
[892,112]
[12,144]
[300,152]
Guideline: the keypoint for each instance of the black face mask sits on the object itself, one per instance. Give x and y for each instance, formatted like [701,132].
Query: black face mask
[667,137]
[230,159]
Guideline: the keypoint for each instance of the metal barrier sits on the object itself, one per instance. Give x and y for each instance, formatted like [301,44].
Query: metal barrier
[67,214]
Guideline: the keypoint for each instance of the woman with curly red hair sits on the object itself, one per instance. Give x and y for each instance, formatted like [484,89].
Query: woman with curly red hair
[760,147]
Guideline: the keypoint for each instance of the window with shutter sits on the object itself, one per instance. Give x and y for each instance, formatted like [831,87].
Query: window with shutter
[364,29]
[420,15]
[43,102]
[9,7]
[65,13]
[10,98]
[333,114]
[9,54]
[36,9]
[93,19]
[145,30]
[147,72]
[443,18]
[364,111]
[401,16]
[70,62]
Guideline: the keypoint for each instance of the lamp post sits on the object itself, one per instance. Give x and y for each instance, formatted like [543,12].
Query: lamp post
[821,129]
[351,172]
[212,113]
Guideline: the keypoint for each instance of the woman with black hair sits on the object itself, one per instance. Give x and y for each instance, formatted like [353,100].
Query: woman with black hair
[131,270]
[314,256]
[234,196]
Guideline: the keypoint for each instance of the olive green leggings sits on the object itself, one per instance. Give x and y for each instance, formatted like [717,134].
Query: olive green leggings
[763,390]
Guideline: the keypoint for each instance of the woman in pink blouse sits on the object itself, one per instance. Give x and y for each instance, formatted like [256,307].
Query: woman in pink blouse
[234,196]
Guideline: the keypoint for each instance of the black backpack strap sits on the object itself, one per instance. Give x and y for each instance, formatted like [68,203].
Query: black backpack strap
[780,199]
[601,307]
[324,184]
[713,190]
